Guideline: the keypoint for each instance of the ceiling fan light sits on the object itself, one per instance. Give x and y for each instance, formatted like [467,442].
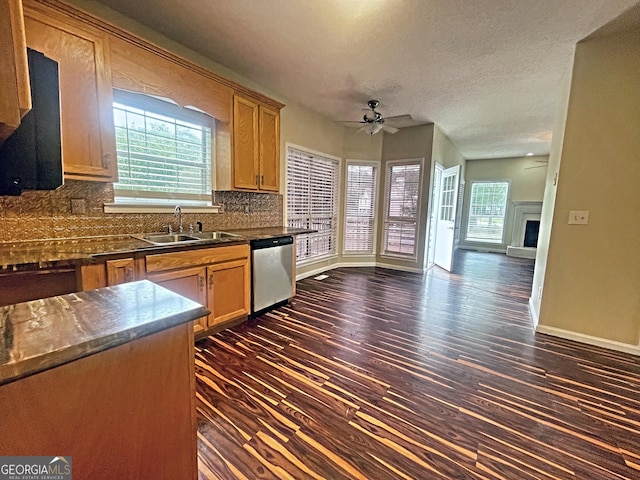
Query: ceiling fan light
[372,128]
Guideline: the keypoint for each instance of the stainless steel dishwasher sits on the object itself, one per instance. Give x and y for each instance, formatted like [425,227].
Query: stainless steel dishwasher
[272,273]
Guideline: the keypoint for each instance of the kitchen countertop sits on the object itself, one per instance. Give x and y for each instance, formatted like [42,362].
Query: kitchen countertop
[53,253]
[43,334]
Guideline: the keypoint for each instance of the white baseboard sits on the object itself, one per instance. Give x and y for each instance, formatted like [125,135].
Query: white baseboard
[400,267]
[325,268]
[535,316]
[588,339]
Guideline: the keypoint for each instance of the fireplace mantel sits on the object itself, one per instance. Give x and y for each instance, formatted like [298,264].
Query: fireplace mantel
[524,210]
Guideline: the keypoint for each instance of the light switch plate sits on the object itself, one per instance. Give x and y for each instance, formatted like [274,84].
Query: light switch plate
[578,217]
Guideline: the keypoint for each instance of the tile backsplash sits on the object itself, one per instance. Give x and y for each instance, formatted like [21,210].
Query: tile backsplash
[37,215]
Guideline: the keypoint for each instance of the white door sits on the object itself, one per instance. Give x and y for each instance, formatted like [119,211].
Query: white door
[446,221]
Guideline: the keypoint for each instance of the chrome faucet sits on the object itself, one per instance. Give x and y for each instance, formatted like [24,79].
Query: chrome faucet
[178,213]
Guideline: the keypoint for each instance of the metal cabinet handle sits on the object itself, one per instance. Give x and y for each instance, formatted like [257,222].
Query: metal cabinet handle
[106,160]
[201,283]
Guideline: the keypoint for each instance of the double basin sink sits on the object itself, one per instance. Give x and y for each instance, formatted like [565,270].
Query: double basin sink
[179,238]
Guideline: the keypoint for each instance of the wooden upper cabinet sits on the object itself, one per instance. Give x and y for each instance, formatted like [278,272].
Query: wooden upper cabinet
[86,98]
[245,143]
[256,146]
[269,149]
[15,95]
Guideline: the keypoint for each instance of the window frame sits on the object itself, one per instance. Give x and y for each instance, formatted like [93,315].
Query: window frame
[468,239]
[307,260]
[386,218]
[376,164]
[129,201]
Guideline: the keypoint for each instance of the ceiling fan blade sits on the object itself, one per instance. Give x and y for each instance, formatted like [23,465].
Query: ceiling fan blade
[400,121]
[388,128]
[351,124]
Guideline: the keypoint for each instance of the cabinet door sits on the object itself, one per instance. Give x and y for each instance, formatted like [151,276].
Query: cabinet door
[120,271]
[188,282]
[269,149]
[86,99]
[245,144]
[228,291]
[15,96]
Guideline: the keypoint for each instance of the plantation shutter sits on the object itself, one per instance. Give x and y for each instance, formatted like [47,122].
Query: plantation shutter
[163,150]
[312,202]
[360,208]
[401,216]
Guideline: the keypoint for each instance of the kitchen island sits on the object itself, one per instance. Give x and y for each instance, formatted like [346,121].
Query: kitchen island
[105,377]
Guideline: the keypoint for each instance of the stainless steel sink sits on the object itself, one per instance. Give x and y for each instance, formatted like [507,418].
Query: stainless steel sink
[180,238]
[167,239]
[214,235]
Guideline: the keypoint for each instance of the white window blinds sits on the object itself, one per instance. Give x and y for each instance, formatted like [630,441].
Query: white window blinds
[487,210]
[164,151]
[312,202]
[361,187]
[401,208]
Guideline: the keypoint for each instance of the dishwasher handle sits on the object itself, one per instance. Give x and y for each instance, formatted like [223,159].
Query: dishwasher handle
[271,242]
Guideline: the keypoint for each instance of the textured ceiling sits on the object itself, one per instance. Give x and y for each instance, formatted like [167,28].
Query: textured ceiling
[487,72]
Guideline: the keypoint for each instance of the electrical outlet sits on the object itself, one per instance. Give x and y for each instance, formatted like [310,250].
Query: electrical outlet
[578,217]
[78,205]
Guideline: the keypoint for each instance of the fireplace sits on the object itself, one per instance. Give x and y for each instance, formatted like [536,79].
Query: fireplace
[531,229]
[526,226]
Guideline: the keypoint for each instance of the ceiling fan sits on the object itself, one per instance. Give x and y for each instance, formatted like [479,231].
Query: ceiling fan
[543,163]
[373,121]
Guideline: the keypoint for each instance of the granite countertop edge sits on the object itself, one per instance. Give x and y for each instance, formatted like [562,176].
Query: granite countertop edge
[41,360]
[69,252]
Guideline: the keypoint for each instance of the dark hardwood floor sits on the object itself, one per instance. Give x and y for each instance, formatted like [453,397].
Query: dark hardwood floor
[378,374]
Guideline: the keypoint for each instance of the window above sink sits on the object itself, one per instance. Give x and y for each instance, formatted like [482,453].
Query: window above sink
[164,155]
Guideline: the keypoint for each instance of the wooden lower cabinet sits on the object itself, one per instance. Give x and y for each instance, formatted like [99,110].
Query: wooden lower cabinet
[120,271]
[127,412]
[218,278]
[228,291]
[188,282]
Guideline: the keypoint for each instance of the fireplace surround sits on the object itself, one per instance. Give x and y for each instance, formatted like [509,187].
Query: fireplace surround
[524,212]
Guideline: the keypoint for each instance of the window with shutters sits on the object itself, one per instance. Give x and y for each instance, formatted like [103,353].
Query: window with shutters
[312,202]
[163,150]
[360,209]
[487,210]
[401,207]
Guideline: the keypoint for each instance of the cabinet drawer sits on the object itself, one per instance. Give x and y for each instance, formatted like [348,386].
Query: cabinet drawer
[192,258]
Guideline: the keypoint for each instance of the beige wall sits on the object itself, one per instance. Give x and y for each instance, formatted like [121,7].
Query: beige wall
[592,280]
[525,184]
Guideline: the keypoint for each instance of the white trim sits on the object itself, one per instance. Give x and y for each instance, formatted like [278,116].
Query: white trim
[326,268]
[401,268]
[377,164]
[535,316]
[311,151]
[505,218]
[141,208]
[311,260]
[589,340]
[480,247]
[385,211]
[338,223]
